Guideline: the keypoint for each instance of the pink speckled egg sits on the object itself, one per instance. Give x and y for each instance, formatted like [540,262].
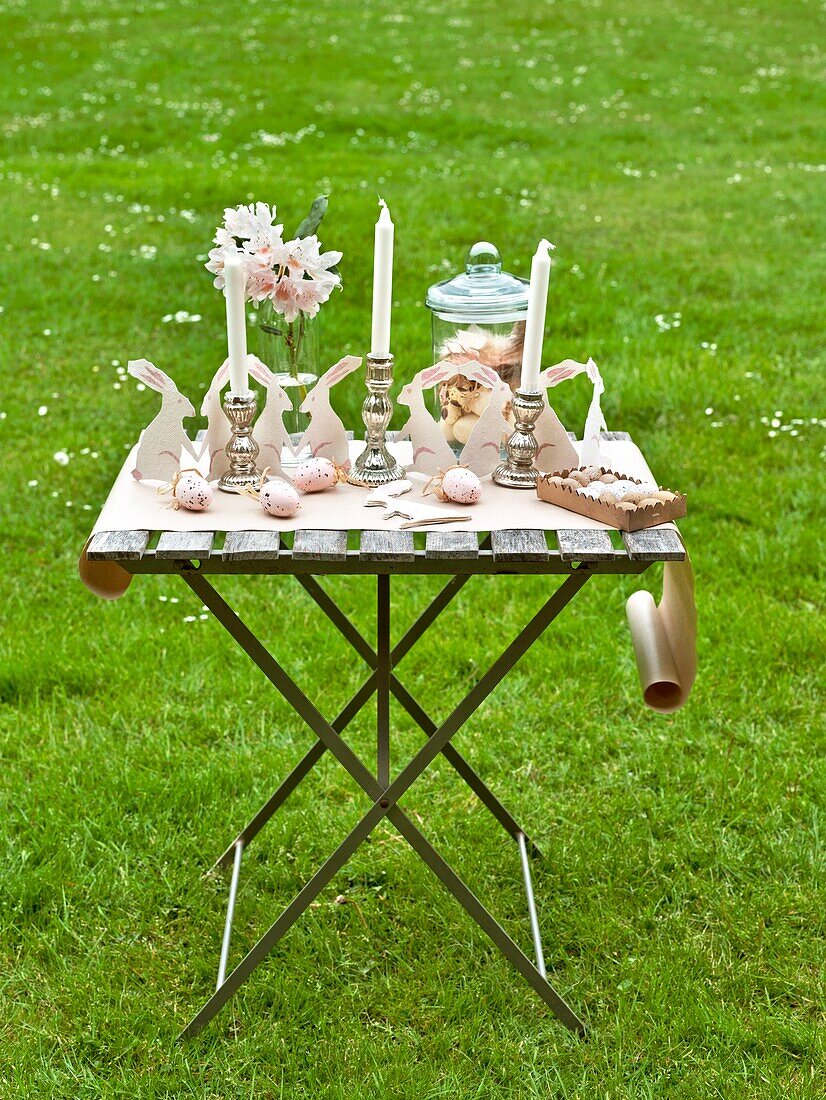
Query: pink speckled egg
[279,498]
[314,475]
[461,485]
[193,492]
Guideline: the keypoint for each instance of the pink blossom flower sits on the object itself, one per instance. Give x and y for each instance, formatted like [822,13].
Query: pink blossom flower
[245,222]
[217,257]
[304,257]
[261,284]
[310,294]
[293,275]
[284,299]
[265,247]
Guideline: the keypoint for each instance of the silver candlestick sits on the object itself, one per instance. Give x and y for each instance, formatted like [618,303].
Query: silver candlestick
[242,450]
[375,465]
[518,471]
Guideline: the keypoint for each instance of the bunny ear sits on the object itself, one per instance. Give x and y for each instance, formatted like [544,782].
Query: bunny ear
[151,375]
[142,370]
[568,368]
[163,381]
[340,370]
[260,371]
[487,373]
[593,371]
[436,373]
[216,385]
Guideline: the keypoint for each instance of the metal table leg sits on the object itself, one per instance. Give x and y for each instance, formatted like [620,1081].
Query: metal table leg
[385,798]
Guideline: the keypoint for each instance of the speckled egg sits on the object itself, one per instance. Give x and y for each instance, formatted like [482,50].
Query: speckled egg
[614,491]
[315,475]
[579,476]
[570,483]
[278,498]
[665,496]
[623,486]
[594,490]
[649,501]
[626,506]
[193,492]
[592,472]
[609,479]
[461,485]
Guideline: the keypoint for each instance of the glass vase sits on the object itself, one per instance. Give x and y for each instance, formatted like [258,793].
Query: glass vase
[291,351]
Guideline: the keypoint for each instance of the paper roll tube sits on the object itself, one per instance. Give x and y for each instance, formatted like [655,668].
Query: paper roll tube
[103,578]
[661,687]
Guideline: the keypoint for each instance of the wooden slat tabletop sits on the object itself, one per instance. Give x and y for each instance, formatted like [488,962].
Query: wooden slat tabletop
[444,545]
[387,546]
[519,545]
[320,545]
[184,545]
[582,545]
[118,545]
[386,551]
[653,544]
[251,546]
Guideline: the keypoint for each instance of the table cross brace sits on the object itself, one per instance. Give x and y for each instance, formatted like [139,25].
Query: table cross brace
[385,793]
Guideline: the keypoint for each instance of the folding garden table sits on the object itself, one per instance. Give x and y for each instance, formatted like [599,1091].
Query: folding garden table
[572,555]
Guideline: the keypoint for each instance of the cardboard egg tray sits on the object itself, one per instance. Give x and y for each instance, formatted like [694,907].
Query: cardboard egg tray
[623,520]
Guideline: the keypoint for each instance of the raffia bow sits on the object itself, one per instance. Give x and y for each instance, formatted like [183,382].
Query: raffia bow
[255,493]
[434,485]
[170,488]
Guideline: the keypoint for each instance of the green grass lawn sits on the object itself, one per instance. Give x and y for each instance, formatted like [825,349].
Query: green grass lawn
[674,153]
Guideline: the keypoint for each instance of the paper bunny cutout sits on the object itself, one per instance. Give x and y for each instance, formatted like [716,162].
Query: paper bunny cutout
[218,433]
[594,422]
[159,450]
[431,451]
[326,436]
[554,449]
[269,431]
[483,450]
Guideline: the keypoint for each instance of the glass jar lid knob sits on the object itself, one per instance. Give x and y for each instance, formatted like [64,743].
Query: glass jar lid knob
[483,258]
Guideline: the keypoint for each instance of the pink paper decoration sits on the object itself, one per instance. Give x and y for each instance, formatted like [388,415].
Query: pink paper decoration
[326,436]
[555,450]
[218,432]
[269,431]
[594,422]
[162,441]
[431,451]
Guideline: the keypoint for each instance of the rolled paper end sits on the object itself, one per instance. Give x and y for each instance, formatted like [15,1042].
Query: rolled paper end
[663,696]
[661,687]
[105,579]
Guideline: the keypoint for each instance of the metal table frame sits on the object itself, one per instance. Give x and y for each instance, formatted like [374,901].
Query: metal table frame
[381,555]
[383,791]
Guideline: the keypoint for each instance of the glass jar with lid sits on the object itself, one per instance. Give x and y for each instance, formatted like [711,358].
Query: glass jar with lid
[478,315]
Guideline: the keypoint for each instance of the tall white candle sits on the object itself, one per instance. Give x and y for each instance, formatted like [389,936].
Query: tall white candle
[382,283]
[535,323]
[235,285]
